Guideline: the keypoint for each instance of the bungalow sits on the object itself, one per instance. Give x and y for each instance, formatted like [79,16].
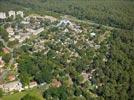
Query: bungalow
[97,46]
[15,65]
[92,34]
[85,76]
[64,23]
[20,13]
[52,19]
[66,30]
[1,63]
[39,30]
[23,38]
[10,31]
[5,50]
[35,32]
[56,83]
[25,22]
[17,36]
[11,77]
[11,39]
[33,84]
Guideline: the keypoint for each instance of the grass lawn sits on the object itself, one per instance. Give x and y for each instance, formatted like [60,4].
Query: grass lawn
[19,95]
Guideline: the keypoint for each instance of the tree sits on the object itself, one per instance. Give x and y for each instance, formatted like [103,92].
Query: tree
[59,93]
[12,43]
[77,91]
[3,34]
[1,93]
[1,45]
[6,57]
[25,78]
[30,97]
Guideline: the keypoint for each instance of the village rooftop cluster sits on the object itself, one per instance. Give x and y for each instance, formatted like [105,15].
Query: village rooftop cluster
[66,38]
[20,32]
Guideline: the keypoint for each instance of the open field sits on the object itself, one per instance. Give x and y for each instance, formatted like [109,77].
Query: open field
[19,95]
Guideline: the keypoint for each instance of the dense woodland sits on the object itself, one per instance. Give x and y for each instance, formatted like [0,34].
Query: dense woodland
[117,72]
[116,13]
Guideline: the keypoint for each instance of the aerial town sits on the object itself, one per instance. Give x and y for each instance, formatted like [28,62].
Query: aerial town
[35,41]
[28,31]
[66,49]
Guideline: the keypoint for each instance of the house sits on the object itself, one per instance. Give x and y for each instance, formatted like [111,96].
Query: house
[5,50]
[56,83]
[85,76]
[24,37]
[12,13]
[1,63]
[11,77]
[20,13]
[92,34]
[30,30]
[1,71]
[52,19]
[11,39]
[38,31]
[15,65]
[10,31]
[12,86]
[17,36]
[97,47]
[75,28]
[105,59]
[25,22]
[35,32]
[2,15]
[66,30]
[44,83]
[64,23]
[33,84]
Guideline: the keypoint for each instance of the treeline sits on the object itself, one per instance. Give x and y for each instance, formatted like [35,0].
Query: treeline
[3,34]
[116,75]
[116,13]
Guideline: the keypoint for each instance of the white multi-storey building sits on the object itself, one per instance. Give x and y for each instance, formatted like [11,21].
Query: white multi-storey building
[12,13]
[2,15]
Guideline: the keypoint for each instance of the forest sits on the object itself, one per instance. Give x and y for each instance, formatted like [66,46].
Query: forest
[117,72]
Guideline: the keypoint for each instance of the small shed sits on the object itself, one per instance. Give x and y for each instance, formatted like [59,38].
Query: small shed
[92,34]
